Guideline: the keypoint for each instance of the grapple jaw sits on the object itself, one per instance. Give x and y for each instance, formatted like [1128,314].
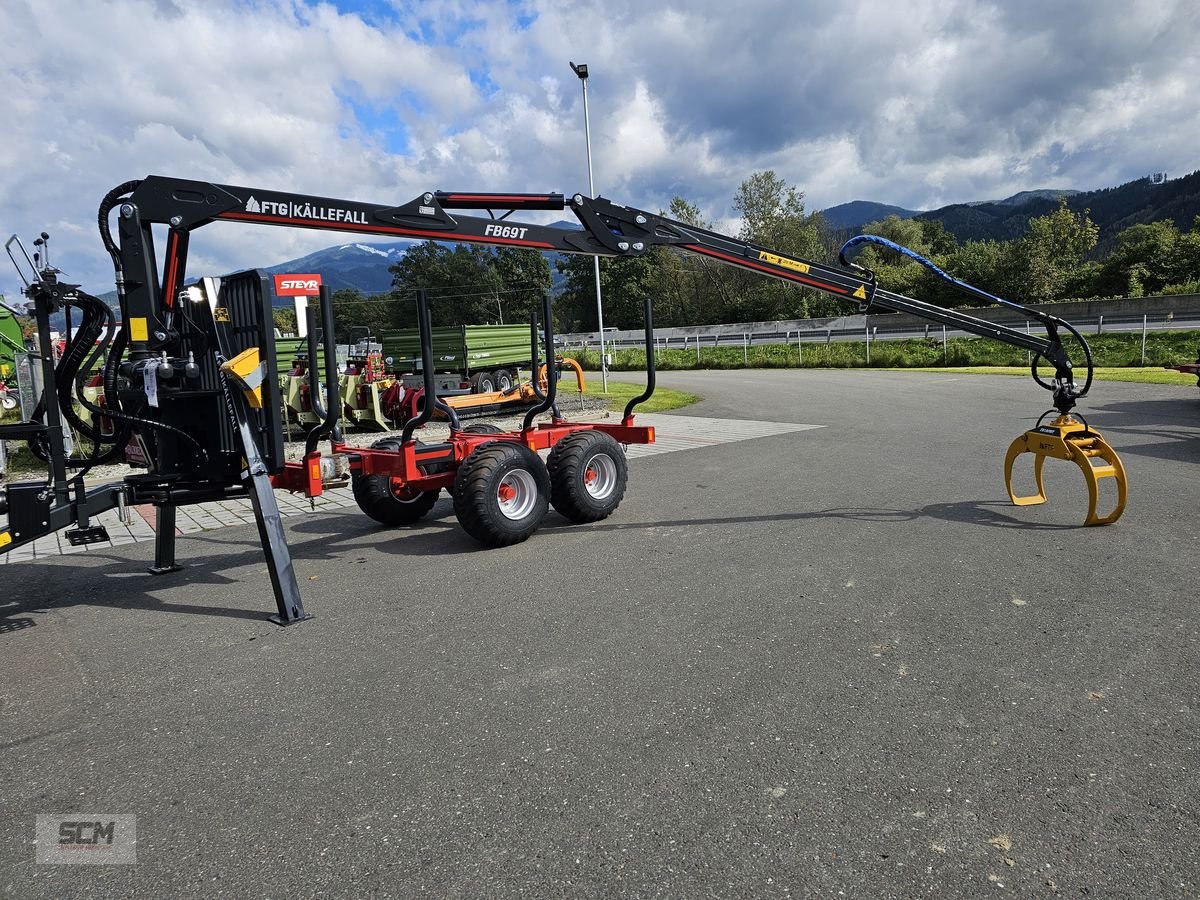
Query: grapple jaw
[1071,439]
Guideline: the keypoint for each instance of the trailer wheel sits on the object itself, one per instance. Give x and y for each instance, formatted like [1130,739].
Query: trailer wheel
[503,379]
[501,493]
[478,428]
[483,383]
[386,500]
[588,474]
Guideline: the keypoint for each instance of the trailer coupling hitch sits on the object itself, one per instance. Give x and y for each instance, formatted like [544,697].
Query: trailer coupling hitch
[1069,437]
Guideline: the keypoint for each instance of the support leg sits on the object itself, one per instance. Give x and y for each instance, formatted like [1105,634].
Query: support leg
[164,540]
[275,548]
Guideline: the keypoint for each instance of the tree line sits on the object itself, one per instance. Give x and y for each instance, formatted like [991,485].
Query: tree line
[1055,259]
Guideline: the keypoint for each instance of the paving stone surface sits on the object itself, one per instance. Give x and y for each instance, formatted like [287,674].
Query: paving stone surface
[672,434]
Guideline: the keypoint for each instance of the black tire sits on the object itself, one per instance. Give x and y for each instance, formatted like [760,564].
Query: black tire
[378,497]
[478,428]
[483,383]
[501,493]
[588,474]
[504,379]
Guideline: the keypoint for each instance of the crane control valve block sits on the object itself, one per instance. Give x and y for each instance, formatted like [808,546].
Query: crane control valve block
[1069,438]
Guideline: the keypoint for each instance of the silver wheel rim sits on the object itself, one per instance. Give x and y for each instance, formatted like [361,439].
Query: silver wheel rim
[516,495]
[600,476]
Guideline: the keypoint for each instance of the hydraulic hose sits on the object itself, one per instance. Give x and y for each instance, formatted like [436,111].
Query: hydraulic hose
[1052,322]
[111,199]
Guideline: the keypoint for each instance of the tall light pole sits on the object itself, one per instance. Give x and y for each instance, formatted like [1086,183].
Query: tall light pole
[581,70]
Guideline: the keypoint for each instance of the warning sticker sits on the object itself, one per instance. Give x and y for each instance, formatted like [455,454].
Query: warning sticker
[776,260]
[221,314]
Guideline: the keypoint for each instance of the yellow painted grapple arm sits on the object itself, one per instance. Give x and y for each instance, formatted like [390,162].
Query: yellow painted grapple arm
[1070,439]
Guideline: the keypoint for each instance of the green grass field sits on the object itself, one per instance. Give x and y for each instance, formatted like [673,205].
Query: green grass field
[620,393]
[1142,374]
[1111,353]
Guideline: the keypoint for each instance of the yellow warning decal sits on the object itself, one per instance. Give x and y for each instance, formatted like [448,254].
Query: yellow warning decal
[138,330]
[246,369]
[776,260]
[860,294]
[5,538]
[221,314]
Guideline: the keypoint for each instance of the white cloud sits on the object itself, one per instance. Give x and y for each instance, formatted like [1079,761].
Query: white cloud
[916,104]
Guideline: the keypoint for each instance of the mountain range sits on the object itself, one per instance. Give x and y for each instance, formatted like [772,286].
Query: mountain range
[358,266]
[1154,198]
[858,213]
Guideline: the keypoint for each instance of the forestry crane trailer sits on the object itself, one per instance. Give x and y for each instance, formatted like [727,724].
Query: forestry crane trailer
[186,377]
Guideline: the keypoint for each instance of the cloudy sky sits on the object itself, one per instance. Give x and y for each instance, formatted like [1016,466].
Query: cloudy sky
[918,103]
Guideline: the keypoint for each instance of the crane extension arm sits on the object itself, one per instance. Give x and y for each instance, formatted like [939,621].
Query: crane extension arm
[608,229]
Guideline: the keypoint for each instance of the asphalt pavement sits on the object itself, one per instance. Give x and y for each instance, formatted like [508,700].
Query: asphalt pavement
[828,663]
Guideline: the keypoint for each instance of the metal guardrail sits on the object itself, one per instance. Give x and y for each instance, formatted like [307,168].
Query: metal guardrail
[867,331]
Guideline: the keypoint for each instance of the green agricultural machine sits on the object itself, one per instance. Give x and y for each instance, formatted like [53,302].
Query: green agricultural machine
[485,356]
[10,345]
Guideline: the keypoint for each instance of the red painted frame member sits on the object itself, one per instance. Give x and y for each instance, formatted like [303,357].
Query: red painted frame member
[304,478]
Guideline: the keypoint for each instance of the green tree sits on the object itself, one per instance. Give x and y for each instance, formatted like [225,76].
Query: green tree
[1143,260]
[1184,268]
[352,308]
[688,289]
[460,280]
[1046,258]
[936,239]
[981,264]
[285,319]
[470,285]
[624,285]
[523,278]
[895,271]
[773,217]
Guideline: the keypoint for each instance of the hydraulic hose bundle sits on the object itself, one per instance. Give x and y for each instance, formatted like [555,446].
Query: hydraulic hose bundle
[118,344]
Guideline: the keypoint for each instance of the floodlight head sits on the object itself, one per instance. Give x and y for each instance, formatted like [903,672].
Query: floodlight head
[580,70]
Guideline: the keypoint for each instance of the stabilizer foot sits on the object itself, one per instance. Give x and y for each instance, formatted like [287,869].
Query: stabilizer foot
[285,622]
